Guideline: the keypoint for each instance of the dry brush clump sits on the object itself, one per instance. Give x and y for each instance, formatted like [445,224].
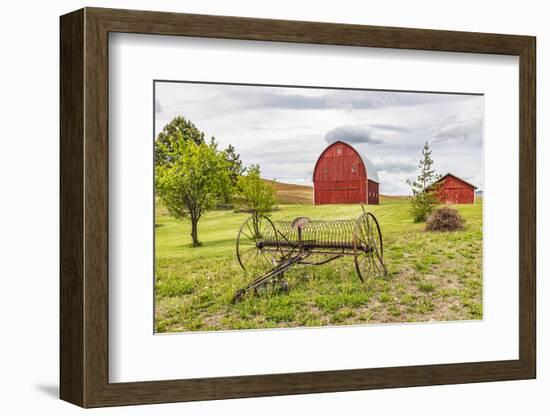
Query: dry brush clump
[445,219]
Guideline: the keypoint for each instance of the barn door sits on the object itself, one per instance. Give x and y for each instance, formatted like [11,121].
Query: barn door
[339,196]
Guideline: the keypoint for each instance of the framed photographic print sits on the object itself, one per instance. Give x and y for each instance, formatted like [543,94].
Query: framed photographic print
[255,207]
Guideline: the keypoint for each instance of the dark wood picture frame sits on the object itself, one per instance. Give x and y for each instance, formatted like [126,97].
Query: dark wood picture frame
[84,207]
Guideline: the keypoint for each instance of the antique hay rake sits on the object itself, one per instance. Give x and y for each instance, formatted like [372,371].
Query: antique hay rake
[276,246]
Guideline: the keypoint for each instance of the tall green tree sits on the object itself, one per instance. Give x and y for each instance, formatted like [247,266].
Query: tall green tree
[235,168]
[255,195]
[179,125]
[235,163]
[194,180]
[424,189]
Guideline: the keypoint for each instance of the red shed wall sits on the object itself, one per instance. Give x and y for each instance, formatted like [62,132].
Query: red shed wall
[339,176]
[454,191]
[373,196]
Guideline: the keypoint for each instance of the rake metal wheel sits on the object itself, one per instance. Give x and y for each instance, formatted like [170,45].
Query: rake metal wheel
[251,238]
[368,248]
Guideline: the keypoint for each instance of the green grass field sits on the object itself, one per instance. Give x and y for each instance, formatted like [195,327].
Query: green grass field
[432,276]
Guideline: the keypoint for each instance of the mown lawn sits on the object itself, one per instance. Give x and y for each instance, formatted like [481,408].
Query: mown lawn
[432,276]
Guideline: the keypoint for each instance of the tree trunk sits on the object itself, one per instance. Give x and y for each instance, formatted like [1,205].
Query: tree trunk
[194,232]
[256,224]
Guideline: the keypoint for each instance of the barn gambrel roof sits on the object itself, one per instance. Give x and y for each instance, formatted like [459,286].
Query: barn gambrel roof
[372,174]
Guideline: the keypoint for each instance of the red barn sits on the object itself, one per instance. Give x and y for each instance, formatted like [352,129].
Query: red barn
[344,176]
[453,190]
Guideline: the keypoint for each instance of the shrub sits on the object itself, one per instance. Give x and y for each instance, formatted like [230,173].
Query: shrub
[445,219]
[255,195]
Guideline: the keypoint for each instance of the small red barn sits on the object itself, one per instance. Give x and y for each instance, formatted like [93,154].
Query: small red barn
[453,190]
[344,176]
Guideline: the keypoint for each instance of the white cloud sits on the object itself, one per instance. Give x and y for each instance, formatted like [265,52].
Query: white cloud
[391,165]
[353,134]
[463,129]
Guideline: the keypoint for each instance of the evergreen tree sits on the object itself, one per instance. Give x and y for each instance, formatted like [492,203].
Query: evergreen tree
[234,162]
[424,189]
[235,169]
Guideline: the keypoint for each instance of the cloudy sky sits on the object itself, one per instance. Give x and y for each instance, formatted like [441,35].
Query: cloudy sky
[285,129]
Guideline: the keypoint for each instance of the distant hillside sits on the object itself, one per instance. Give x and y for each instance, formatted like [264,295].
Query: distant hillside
[393,198]
[288,193]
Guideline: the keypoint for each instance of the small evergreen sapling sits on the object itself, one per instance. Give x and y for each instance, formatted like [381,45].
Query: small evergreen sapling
[424,188]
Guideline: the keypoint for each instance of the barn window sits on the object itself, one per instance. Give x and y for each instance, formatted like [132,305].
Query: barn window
[338,150]
[325,170]
[353,169]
